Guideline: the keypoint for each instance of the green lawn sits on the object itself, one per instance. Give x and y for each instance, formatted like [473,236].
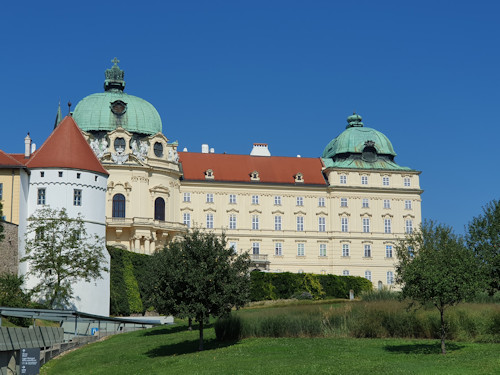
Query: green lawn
[173,350]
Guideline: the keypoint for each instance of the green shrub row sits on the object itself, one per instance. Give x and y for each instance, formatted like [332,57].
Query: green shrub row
[271,286]
[376,319]
[130,276]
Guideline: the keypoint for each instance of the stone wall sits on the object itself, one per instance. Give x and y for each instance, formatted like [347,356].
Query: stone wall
[9,249]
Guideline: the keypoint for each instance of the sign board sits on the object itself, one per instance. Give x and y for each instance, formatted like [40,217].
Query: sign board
[93,331]
[29,361]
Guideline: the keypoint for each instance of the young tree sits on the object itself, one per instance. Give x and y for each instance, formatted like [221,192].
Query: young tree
[60,252]
[200,277]
[483,238]
[435,266]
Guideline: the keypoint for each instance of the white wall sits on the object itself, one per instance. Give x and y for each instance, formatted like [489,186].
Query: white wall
[91,297]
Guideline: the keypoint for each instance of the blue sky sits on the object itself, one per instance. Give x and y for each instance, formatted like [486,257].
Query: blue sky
[287,73]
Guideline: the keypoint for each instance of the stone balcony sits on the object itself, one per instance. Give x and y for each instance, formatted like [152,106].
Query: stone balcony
[260,262]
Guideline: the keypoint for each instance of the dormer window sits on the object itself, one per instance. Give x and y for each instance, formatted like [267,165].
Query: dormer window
[209,174]
[299,177]
[369,153]
[254,176]
[119,144]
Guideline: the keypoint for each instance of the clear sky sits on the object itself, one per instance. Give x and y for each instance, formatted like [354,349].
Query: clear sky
[287,73]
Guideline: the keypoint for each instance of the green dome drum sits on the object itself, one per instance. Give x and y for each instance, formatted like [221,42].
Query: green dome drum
[114,108]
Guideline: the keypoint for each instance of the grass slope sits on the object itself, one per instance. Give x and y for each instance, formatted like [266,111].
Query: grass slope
[173,350]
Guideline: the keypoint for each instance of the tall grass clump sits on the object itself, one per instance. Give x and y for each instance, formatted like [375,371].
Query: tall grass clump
[380,295]
[379,318]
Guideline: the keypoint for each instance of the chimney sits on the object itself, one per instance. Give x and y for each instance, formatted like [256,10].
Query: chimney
[212,150]
[33,147]
[185,149]
[27,146]
[260,149]
[204,148]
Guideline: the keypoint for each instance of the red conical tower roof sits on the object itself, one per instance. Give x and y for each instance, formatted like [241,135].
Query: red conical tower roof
[66,147]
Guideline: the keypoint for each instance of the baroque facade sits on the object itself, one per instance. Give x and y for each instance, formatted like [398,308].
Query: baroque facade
[340,213]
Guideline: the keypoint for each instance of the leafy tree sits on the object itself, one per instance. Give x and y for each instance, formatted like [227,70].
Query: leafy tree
[13,295]
[483,237]
[60,252]
[200,277]
[434,266]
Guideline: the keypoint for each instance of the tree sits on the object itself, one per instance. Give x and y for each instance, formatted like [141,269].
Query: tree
[483,238]
[200,277]
[435,266]
[60,252]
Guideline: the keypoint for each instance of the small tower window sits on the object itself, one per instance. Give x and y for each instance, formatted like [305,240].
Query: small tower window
[60,174]
[78,175]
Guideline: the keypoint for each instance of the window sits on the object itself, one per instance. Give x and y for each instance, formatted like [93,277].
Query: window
[407,181]
[187,197]
[277,223]
[387,203]
[255,199]
[345,250]
[210,221]
[118,205]
[365,203]
[343,202]
[300,223]
[42,174]
[321,224]
[60,174]
[234,245]
[368,275]
[345,273]
[387,226]
[232,221]
[255,248]
[300,250]
[368,251]
[388,251]
[277,200]
[385,181]
[364,180]
[278,247]
[210,198]
[344,224]
[407,205]
[119,144]
[321,202]
[255,222]
[160,209]
[41,196]
[232,198]
[411,252]
[158,149]
[78,175]
[1,191]
[408,226]
[95,178]
[366,225]
[390,278]
[322,249]
[300,201]
[343,179]
[77,197]
[186,219]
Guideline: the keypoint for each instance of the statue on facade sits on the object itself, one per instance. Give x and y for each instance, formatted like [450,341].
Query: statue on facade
[99,147]
[140,149]
[119,157]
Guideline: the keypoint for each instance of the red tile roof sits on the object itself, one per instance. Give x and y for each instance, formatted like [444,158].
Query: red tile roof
[237,168]
[66,147]
[7,160]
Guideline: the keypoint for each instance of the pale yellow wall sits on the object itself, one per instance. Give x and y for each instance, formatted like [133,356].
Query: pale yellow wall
[333,237]
[11,181]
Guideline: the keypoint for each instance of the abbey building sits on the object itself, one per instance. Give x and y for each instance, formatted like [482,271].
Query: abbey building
[339,213]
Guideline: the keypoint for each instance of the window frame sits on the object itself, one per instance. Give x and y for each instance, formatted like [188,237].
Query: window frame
[232,198]
[187,197]
[255,222]
[232,221]
[41,196]
[255,199]
[388,251]
[300,223]
[277,200]
[345,250]
[278,222]
[300,201]
[321,224]
[209,220]
[322,250]
[278,249]
[301,249]
[343,202]
[210,198]
[367,250]
[387,225]
[186,219]
[321,202]
[344,224]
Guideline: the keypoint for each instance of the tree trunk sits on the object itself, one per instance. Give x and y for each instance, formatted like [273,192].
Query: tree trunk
[190,324]
[443,331]
[200,348]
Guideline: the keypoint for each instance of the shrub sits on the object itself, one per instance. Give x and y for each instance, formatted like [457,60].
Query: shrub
[13,295]
[228,328]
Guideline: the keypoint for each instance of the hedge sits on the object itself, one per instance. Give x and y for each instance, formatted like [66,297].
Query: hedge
[270,286]
[130,275]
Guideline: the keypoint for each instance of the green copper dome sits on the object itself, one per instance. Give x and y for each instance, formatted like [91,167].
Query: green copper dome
[360,147]
[113,108]
[356,138]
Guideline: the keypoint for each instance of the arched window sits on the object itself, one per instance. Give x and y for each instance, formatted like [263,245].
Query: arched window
[118,205]
[160,209]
